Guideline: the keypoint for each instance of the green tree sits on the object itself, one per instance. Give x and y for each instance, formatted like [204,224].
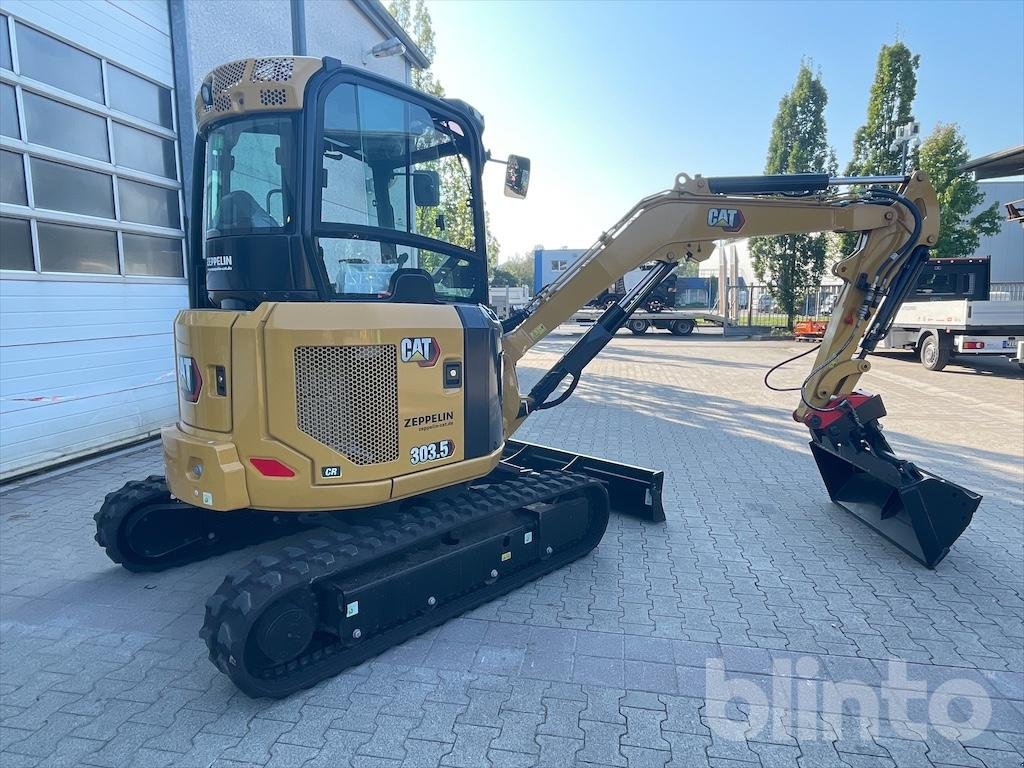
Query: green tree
[960,226]
[456,215]
[793,264]
[890,105]
[516,271]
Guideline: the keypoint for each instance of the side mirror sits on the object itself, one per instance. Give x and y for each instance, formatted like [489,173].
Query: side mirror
[517,176]
[426,188]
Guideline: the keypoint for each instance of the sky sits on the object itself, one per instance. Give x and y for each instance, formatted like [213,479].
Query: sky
[610,100]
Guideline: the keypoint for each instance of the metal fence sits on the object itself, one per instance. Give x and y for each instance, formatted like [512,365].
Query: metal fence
[754,305]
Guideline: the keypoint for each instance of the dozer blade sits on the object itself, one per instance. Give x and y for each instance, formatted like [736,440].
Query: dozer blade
[919,512]
[633,491]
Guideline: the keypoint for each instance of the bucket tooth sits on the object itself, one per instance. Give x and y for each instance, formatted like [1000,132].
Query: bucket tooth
[919,512]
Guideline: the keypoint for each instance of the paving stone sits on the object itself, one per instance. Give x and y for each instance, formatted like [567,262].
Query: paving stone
[312,726]
[497,758]
[601,743]
[526,696]
[561,718]
[776,755]
[557,751]
[518,730]
[105,725]
[340,749]
[424,754]
[36,712]
[682,715]
[688,750]
[483,707]
[255,746]
[599,644]
[552,666]
[389,738]
[470,748]
[43,741]
[597,670]
[121,749]
[643,728]
[178,738]
[650,676]
[603,704]
[639,757]
[438,723]
[603,662]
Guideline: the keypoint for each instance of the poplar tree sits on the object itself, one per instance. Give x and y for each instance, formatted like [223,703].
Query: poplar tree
[890,105]
[960,224]
[414,18]
[794,264]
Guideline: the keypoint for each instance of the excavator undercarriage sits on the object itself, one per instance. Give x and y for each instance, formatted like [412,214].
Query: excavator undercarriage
[342,382]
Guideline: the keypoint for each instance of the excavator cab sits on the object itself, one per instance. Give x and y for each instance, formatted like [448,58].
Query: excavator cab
[330,201]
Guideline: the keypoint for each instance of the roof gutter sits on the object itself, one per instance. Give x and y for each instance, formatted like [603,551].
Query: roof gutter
[1007,162]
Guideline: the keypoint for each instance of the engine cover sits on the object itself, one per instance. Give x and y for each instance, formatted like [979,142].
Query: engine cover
[333,405]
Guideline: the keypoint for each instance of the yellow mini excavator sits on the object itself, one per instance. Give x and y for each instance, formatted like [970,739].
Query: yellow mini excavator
[341,378]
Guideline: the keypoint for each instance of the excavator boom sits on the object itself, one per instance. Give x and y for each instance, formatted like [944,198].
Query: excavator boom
[898,218]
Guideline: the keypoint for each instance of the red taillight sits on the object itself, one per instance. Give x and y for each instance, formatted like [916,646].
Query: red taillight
[272,468]
[190,382]
[974,345]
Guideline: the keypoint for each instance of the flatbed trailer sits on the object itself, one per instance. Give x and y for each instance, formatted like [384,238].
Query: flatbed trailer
[678,322]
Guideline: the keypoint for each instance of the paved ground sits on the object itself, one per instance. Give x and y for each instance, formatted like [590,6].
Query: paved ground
[751,629]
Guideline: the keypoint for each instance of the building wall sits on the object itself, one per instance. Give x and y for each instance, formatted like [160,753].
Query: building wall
[225,30]
[86,359]
[323,20]
[549,264]
[1007,248]
[83,366]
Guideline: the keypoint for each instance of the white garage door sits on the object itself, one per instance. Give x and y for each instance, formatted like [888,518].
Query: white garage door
[91,220]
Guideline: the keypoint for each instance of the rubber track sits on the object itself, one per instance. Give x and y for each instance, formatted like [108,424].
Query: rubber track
[119,505]
[232,611]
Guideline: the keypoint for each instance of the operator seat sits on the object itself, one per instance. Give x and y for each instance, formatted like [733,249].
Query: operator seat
[412,286]
[239,210]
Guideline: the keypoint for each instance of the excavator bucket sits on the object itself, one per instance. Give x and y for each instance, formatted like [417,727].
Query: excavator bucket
[633,491]
[921,513]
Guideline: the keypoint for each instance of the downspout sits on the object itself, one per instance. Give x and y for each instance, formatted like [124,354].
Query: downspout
[298,8]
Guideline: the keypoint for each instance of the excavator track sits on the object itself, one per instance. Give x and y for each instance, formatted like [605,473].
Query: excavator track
[143,528]
[287,621]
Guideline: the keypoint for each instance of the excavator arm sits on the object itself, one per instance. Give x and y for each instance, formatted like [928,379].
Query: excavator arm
[897,218]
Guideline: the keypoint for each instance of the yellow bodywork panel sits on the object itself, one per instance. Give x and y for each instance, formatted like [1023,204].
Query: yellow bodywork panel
[265,84]
[346,403]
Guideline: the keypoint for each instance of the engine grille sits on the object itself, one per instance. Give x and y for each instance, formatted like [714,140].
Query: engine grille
[347,398]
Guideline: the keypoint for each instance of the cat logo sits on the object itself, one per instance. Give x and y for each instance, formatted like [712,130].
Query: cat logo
[422,350]
[728,219]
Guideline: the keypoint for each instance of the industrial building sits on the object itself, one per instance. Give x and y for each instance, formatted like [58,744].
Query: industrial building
[96,101]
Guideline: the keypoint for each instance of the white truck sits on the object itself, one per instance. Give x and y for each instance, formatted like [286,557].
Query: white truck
[507,299]
[952,314]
